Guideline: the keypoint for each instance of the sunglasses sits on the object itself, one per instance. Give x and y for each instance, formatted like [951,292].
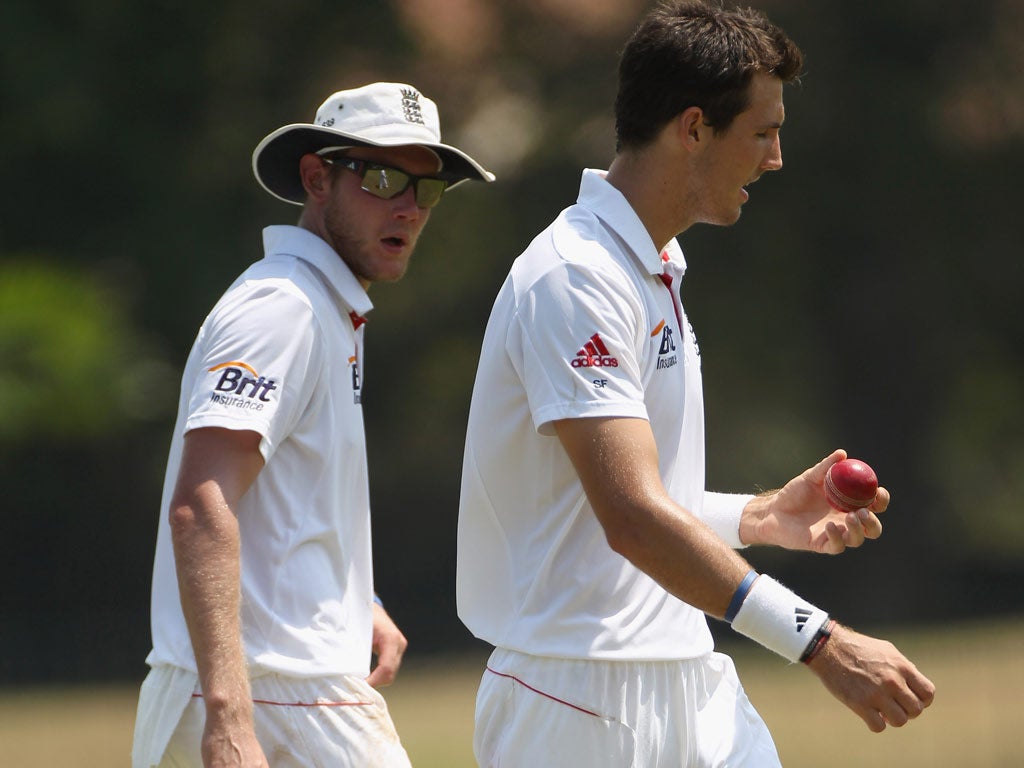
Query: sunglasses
[386,182]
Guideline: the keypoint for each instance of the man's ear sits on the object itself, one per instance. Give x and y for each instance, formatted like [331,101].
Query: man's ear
[315,174]
[692,130]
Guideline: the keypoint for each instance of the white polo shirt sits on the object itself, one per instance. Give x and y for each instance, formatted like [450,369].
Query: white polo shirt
[280,354]
[584,326]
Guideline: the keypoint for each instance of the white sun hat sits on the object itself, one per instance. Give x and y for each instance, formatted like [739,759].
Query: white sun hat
[375,115]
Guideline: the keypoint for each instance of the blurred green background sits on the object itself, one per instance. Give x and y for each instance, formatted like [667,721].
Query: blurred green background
[865,300]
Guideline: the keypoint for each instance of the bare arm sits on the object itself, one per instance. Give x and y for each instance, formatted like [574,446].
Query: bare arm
[617,462]
[217,468]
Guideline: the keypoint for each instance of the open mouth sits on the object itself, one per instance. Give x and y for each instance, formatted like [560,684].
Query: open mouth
[394,241]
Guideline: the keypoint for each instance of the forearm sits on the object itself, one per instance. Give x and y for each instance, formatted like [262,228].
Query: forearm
[617,463]
[682,553]
[207,549]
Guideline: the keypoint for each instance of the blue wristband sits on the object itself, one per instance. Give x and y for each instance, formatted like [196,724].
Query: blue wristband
[740,595]
[380,602]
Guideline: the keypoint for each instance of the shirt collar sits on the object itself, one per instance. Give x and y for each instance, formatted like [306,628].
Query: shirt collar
[303,244]
[609,205]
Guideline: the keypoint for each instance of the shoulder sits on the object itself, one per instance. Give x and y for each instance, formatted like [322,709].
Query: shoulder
[270,298]
[284,279]
[575,243]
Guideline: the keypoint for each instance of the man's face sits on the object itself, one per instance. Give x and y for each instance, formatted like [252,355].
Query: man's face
[376,237]
[736,157]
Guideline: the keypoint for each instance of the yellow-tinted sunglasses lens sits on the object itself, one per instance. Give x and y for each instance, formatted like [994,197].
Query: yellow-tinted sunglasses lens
[386,183]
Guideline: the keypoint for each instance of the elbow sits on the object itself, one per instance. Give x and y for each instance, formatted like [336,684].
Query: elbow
[636,528]
[184,514]
[182,518]
[624,538]
[620,544]
[198,514]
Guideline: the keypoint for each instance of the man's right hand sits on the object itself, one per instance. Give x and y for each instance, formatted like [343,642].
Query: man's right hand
[872,678]
[237,747]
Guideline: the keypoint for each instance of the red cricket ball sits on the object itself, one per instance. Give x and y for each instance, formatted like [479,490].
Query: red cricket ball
[850,484]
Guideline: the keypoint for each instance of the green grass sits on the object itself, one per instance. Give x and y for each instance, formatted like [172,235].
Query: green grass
[977,719]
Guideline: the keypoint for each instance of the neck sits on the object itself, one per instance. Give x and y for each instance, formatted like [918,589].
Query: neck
[313,221]
[653,187]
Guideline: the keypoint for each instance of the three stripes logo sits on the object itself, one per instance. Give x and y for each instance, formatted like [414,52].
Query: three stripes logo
[594,354]
[802,615]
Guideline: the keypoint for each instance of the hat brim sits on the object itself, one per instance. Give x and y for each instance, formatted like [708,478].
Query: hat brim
[275,161]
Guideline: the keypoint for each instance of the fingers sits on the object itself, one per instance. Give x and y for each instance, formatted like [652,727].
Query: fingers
[835,535]
[922,687]
[881,502]
[907,703]
[874,721]
[389,645]
[873,679]
[854,529]
[870,524]
[860,525]
[389,659]
[383,674]
[901,709]
[818,470]
[918,694]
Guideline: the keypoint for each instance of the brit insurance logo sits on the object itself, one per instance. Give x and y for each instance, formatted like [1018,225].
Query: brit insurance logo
[239,386]
[357,383]
[667,356]
[594,354]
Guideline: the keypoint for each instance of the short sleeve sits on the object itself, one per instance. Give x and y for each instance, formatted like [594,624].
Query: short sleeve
[576,343]
[259,352]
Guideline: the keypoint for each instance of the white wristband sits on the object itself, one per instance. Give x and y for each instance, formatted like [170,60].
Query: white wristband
[778,619]
[722,512]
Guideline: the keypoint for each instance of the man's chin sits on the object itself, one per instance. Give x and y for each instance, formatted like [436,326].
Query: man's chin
[723,220]
[392,275]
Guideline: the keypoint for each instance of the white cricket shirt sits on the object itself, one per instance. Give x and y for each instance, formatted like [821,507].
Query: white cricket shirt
[584,326]
[280,354]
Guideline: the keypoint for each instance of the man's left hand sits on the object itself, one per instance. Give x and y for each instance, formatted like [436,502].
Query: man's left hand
[388,646]
[798,517]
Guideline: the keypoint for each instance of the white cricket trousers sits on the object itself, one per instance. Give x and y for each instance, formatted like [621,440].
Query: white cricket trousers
[341,722]
[537,712]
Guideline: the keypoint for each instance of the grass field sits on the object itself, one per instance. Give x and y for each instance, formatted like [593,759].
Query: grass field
[977,720]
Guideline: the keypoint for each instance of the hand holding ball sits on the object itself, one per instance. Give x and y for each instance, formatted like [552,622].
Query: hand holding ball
[850,485]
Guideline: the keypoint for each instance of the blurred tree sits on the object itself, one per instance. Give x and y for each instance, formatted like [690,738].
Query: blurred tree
[71,363]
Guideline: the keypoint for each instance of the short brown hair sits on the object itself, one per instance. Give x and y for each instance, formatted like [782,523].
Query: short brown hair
[690,53]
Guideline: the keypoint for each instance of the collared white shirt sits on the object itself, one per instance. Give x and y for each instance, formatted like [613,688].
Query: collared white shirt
[584,326]
[280,354]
